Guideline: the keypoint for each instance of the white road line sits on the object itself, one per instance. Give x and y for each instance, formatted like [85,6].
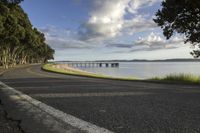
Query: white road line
[61,116]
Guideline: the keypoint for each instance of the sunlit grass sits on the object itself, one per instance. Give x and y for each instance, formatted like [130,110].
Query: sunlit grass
[185,78]
[50,67]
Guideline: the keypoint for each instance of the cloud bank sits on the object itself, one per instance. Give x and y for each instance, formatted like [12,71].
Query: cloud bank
[108,19]
[62,39]
[151,42]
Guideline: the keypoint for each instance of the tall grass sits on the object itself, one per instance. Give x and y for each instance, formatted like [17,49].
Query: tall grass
[186,78]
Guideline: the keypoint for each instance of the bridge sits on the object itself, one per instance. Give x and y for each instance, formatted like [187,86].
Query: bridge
[93,64]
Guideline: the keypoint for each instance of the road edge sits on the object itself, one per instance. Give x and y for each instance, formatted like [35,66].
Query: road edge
[62,117]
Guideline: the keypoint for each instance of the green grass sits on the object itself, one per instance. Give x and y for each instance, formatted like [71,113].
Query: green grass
[49,67]
[184,78]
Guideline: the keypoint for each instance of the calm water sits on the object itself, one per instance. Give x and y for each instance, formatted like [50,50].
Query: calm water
[148,69]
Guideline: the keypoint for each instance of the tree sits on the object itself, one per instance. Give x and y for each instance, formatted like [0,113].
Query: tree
[20,43]
[183,17]
[12,1]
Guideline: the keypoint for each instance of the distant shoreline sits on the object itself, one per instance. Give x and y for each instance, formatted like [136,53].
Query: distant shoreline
[141,60]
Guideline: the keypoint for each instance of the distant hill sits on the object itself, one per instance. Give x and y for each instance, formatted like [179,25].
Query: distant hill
[168,60]
[165,60]
[143,60]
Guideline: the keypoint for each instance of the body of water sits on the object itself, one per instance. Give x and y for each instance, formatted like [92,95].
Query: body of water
[147,69]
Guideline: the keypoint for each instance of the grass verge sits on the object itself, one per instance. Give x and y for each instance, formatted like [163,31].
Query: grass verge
[182,78]
[50,67]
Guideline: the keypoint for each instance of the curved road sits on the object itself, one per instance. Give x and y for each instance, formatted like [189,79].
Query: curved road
[120,106]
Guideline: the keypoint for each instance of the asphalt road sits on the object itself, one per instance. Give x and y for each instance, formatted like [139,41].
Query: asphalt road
[120,106]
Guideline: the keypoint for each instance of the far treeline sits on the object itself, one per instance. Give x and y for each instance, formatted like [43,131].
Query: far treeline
[20,42]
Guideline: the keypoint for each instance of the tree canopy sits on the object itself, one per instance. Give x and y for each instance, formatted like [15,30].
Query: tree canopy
[12,1]
[181,16]
[20,42]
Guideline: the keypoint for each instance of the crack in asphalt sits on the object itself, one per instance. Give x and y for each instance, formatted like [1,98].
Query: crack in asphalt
[11,120]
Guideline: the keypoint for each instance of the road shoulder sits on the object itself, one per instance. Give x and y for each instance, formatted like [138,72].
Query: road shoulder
[38,117]
[7,124]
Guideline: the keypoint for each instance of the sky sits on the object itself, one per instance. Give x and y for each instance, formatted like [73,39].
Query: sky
[104,29]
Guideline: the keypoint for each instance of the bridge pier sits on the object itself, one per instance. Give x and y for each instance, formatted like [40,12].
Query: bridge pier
[93,64]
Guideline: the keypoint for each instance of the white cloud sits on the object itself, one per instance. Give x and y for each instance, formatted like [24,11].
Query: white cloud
[107,19]
[134,5]
[138,24]
[151,42]
[151,39]
[154,42]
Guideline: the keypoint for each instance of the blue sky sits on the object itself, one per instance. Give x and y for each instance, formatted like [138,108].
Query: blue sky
[103,29]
